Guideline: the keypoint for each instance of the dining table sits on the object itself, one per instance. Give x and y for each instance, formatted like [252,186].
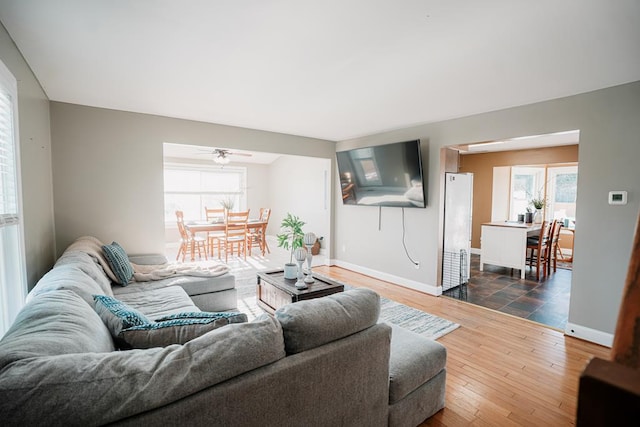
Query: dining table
[504,243]
[202,226]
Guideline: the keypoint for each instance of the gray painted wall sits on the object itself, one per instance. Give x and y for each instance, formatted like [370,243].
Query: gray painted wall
[35,152]
[298,187]
[609,126]
[107,169]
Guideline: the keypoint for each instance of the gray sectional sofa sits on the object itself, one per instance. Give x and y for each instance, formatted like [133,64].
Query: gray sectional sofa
[324,362]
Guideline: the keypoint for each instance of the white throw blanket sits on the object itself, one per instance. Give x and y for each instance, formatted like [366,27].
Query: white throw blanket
[92,246]
[144,273]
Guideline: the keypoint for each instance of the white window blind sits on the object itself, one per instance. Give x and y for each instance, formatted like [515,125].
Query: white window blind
[13,288]
[8,181]
[192,187]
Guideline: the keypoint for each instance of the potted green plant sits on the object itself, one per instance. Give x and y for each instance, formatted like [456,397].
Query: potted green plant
[227,203]
[538,203]
[291,238]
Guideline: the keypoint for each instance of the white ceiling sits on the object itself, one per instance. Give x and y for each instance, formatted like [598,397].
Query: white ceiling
[571,137]
[195,152]
[332,69]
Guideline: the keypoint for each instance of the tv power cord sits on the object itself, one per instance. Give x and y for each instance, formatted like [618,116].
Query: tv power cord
[416,264]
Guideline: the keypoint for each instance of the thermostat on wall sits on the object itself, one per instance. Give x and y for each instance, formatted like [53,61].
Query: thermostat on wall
[617,197]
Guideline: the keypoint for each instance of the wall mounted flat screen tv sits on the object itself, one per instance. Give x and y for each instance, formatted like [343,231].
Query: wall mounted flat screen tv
[383,175]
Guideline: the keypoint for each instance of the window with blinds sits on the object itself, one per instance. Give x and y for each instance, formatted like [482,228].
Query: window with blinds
[13,287]
[192,187]
[8,181]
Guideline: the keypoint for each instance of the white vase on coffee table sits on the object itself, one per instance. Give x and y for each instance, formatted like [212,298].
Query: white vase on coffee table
[290,271]
[300,255]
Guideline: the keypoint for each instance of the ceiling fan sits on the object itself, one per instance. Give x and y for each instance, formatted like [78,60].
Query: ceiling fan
[221,155]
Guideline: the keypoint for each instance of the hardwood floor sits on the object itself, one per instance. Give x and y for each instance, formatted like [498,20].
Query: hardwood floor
[501,370]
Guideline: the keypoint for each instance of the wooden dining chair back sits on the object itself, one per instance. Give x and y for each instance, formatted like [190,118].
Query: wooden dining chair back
[265,213]
[257,236]
[214,215]
[187,241]
[539,255]
[554,246]
[235,234]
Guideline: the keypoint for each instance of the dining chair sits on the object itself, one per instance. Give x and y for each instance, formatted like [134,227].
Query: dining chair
[554,246]
[235,234]
[189,242]
[258,236]
[214,215]
[540,249]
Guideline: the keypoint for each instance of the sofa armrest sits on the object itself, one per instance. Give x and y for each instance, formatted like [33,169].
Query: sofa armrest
[148,259]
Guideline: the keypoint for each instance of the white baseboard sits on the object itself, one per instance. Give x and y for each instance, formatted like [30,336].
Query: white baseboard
[588,334]
[422,287]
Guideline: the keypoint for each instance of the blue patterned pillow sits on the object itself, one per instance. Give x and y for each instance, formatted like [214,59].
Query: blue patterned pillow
[196,316]
[176,329]
[117,315]
[119,262]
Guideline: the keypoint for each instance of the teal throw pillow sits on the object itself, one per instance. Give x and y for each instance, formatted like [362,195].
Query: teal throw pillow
[119,262]
[176,329]
[117,315]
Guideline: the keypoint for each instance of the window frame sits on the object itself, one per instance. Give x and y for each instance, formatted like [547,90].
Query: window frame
[552,172]
[198,167]
[538,174]
[13,274]
[542,184]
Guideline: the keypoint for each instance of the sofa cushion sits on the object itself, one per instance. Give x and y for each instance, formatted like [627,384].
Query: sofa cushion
[54,323]
[193,285]
[414,361]
[67,277]
[148,259]
[176,329]
[157,302]
[97,389]
[119,262]
[117,315]
[312,323]
[88,265]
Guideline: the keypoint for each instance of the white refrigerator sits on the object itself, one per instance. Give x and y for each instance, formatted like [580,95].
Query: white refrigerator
[456,259]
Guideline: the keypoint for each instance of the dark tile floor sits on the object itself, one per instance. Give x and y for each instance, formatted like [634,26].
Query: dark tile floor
[545,301]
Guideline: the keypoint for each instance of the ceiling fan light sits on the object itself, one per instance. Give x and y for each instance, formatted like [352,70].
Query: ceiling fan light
[221,160]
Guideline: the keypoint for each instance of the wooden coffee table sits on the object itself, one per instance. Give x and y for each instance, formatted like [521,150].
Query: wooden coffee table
[274,291]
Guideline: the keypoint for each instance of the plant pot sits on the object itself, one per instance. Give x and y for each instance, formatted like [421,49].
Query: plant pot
[538,216]
[290,271]
[528,217]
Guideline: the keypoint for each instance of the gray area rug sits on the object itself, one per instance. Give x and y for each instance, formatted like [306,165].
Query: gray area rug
[391,311]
